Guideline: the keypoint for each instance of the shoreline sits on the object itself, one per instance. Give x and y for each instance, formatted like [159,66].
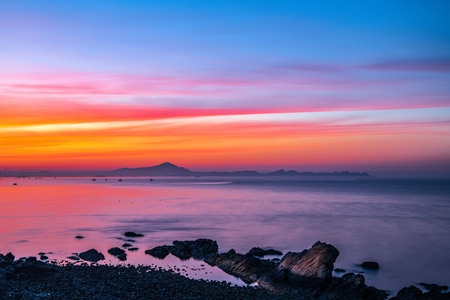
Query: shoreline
[30,278]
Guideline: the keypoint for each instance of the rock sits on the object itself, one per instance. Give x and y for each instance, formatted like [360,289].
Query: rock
[433,287]
[316,262]
[116,251]
[338,270]
[256,251]
[133,249]
[79,237]
[132,234]
[30,267]
[6,260]
[119,253]
[91,255]
[198,249]
[126,245]
[370,265]
[159,252]
[408,293]
[246,267]
[43,257]
[351,286]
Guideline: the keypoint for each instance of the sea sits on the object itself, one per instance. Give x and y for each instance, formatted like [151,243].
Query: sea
[403,224]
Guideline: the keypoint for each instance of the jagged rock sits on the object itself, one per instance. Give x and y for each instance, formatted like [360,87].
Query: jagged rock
[370,265]
[133,249]
[159,252]
[316,262]
[126,245]
[91,255]
[198,249]
[256,251]
[433,287]
[119,253]
[247,267]
[408,293]
[132,234]
[414,293]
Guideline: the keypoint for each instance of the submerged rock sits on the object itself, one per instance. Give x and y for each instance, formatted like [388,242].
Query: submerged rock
[370,265]
[159,252]
[256,251]
[119,253]
[198,249]
[132,234]
[92,255]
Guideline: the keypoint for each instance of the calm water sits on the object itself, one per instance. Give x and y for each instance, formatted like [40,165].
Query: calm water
[402,224]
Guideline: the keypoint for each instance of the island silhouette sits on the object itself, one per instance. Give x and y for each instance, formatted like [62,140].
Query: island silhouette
[170,169]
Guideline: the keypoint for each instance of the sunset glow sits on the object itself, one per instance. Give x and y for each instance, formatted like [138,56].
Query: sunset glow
[308,91]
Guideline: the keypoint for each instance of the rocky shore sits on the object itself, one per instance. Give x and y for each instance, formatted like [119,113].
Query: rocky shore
[297,275]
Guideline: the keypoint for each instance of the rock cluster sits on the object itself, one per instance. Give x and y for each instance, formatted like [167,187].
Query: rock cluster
[298,275]
[199,249]
[23,267]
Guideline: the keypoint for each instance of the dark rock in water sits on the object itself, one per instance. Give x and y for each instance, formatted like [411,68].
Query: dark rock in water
[133,249]
[351,286]
[433,287]
[198,249]
[132,234]
[73,257]
[159,251]
[256,251]
[91,255]
[43,257]
[408,293]
[7,259]
[337,270]
[116,251]
[126,245]
[246,267]
[119,253]
[79,237]
[414,293]
[370,265]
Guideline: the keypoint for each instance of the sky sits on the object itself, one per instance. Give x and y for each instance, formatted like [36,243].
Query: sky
[226,85]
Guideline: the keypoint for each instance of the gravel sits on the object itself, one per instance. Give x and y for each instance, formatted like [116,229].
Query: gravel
[122,282]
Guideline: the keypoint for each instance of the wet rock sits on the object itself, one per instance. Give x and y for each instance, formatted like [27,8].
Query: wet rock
[126,245]
[256,251]
[246,267]
[92,255]
[433,287]
[79,237]
[408,293]
[133,249]
[119,253]
[132,234]
[159,252]
[43,257]
[198,249]
[370,265]
[338,270]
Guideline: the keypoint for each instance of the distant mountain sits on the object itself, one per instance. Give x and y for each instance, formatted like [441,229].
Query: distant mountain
[164,169]
[169,169]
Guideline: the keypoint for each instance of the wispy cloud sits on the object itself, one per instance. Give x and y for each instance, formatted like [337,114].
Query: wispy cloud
[412,65]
